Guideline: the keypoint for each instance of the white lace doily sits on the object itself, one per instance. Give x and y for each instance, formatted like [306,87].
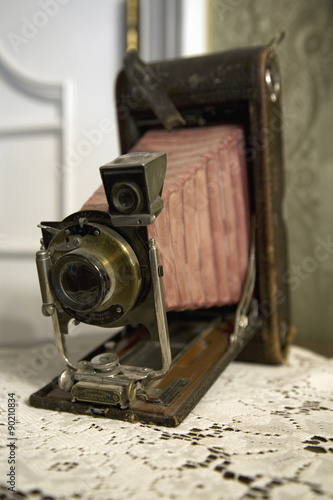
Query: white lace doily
[260,432]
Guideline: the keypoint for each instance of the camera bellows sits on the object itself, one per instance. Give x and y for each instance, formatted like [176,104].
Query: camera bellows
[202,233]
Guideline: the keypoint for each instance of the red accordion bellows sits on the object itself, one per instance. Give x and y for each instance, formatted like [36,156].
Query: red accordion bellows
[202,233]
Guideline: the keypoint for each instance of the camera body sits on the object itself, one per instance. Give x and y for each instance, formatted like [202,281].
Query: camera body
[101,266]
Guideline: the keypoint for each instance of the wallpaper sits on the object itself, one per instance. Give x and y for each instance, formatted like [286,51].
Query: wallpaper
[306,57]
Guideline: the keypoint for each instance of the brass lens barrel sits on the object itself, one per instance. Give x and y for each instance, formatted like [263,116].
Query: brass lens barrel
[100,276]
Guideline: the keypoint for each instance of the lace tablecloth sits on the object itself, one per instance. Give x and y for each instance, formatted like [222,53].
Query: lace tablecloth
[260,432]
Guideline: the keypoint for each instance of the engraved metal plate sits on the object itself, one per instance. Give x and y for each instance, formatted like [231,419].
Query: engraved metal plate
[100,395]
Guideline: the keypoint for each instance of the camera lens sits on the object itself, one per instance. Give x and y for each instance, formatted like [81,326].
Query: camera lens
[80,284]
[97,282]
[126,197]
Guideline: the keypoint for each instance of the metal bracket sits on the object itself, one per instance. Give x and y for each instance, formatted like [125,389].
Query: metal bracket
[247,309]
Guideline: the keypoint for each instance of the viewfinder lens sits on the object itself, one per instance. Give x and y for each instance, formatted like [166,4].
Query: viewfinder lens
[126,197]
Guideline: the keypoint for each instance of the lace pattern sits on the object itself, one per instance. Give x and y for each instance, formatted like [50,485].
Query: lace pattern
[260,432]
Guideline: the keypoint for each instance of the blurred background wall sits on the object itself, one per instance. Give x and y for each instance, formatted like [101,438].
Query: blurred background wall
[306,61]
[58,60]
[58,63]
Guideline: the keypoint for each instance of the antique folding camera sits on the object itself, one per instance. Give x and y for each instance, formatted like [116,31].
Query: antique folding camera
[201,179]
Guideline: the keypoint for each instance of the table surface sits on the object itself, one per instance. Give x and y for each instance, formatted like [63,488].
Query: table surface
[260,432]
